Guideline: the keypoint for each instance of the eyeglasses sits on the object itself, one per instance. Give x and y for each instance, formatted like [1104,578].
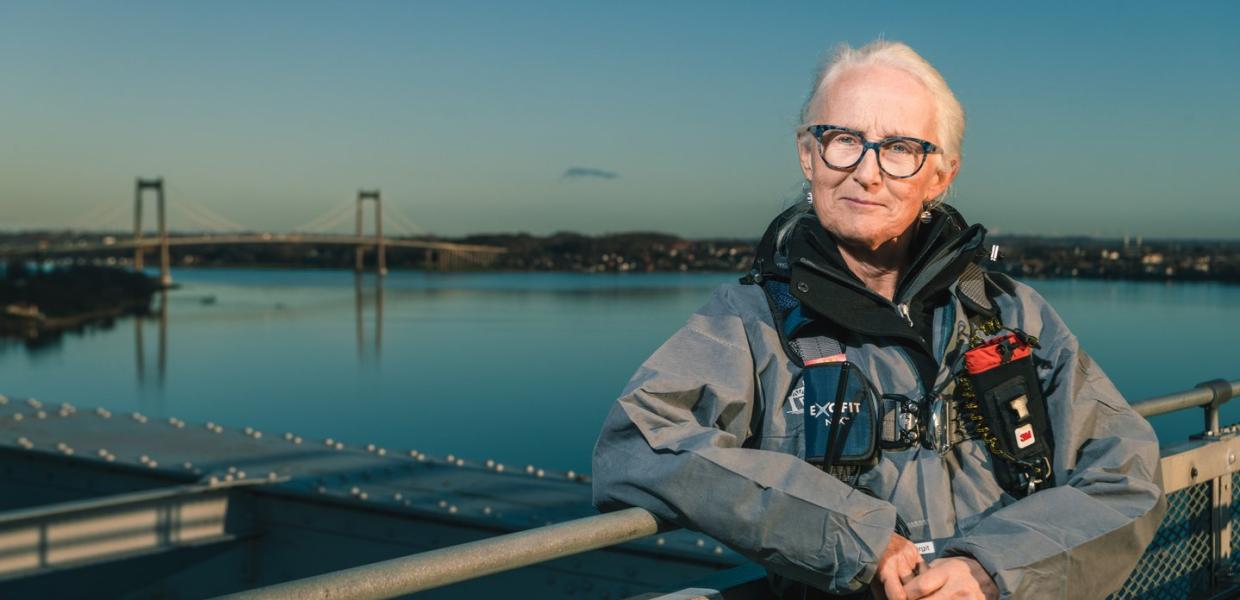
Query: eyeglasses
[900,157]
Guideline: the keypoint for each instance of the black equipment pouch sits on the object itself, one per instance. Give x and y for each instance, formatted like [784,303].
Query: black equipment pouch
[1004,399]
[841,416]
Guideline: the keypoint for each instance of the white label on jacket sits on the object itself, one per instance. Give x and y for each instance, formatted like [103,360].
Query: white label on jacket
[925,547]
[1024,435]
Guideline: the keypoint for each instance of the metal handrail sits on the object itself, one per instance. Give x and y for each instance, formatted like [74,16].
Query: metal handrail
[419,572]
[1209,395]
[436,568]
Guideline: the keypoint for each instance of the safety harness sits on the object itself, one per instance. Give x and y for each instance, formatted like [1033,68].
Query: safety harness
[994,394]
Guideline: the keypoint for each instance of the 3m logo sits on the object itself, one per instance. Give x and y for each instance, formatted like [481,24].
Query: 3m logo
[1024,436]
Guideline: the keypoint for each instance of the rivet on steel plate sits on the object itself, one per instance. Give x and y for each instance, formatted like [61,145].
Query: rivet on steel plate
[152,464]
[490,464]
[700,543]
[452,509]
[397,496]
[188,465]
[381,452]
[539,473]
[443,504]
[529,468]
[288,436]
[257,434]
[718,549]
[213,481]
[231,469]
[271,476]
[102,452]
[499,467]
[3,399]
[40,414]
[451,458]
[18,416]
[571,474]
[248,430]
[340,445]
[240,474]
[660,541]
[103,412]
[370,447]
[321,489]
[32,403]
[144,459]
[329,442]
[486,510]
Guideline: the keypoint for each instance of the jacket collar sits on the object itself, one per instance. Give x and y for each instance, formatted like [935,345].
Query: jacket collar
[809,260]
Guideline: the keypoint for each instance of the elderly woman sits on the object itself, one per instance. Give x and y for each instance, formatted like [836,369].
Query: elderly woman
[870,405]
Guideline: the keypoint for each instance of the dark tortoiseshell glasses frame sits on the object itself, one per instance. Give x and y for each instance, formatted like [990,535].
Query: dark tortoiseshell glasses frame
[818,131]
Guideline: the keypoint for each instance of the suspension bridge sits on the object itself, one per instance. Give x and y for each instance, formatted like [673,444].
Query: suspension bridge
[211,229]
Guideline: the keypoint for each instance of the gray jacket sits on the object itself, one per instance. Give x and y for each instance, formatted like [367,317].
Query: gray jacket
[704,436]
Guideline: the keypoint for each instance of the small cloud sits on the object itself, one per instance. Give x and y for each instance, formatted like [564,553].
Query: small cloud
[580,172]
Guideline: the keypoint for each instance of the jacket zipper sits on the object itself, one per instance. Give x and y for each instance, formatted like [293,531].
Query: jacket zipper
[903,310]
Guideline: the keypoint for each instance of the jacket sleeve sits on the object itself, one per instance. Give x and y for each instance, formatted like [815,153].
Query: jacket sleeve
[674,444]
[1086,534]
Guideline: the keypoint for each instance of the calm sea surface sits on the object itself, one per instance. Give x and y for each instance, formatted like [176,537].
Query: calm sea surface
[520,368]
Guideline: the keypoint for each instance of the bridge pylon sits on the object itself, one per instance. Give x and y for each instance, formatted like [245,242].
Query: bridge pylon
[156,185]
[380,248]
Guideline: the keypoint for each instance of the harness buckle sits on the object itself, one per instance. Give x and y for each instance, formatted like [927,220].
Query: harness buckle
[902,422]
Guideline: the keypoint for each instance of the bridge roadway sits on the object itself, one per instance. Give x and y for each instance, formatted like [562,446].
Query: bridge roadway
[253,238]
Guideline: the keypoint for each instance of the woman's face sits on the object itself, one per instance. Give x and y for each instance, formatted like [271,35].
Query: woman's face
[862,206]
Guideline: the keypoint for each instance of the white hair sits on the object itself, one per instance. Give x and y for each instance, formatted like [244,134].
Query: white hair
[949,115]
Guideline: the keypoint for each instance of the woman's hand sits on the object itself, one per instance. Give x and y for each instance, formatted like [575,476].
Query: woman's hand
[958,577]
[899,563]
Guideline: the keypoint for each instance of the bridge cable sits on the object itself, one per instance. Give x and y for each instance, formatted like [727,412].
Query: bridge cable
[402,217]
[329,215]
[216,217]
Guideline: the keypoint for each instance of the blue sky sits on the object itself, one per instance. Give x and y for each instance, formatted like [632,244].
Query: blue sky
[1083,118]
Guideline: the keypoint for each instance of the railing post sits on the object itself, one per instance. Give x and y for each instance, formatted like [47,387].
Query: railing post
[1220,390]
[1220,523]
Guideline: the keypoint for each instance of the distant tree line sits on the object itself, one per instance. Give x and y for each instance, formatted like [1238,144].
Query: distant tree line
[1022,256]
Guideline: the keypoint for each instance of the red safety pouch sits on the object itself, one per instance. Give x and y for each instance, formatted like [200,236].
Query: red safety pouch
[1013,412]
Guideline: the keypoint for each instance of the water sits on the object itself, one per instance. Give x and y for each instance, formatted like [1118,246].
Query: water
[520,368]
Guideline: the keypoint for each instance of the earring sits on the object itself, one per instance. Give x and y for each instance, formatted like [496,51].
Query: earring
[809,197]
[926,217]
